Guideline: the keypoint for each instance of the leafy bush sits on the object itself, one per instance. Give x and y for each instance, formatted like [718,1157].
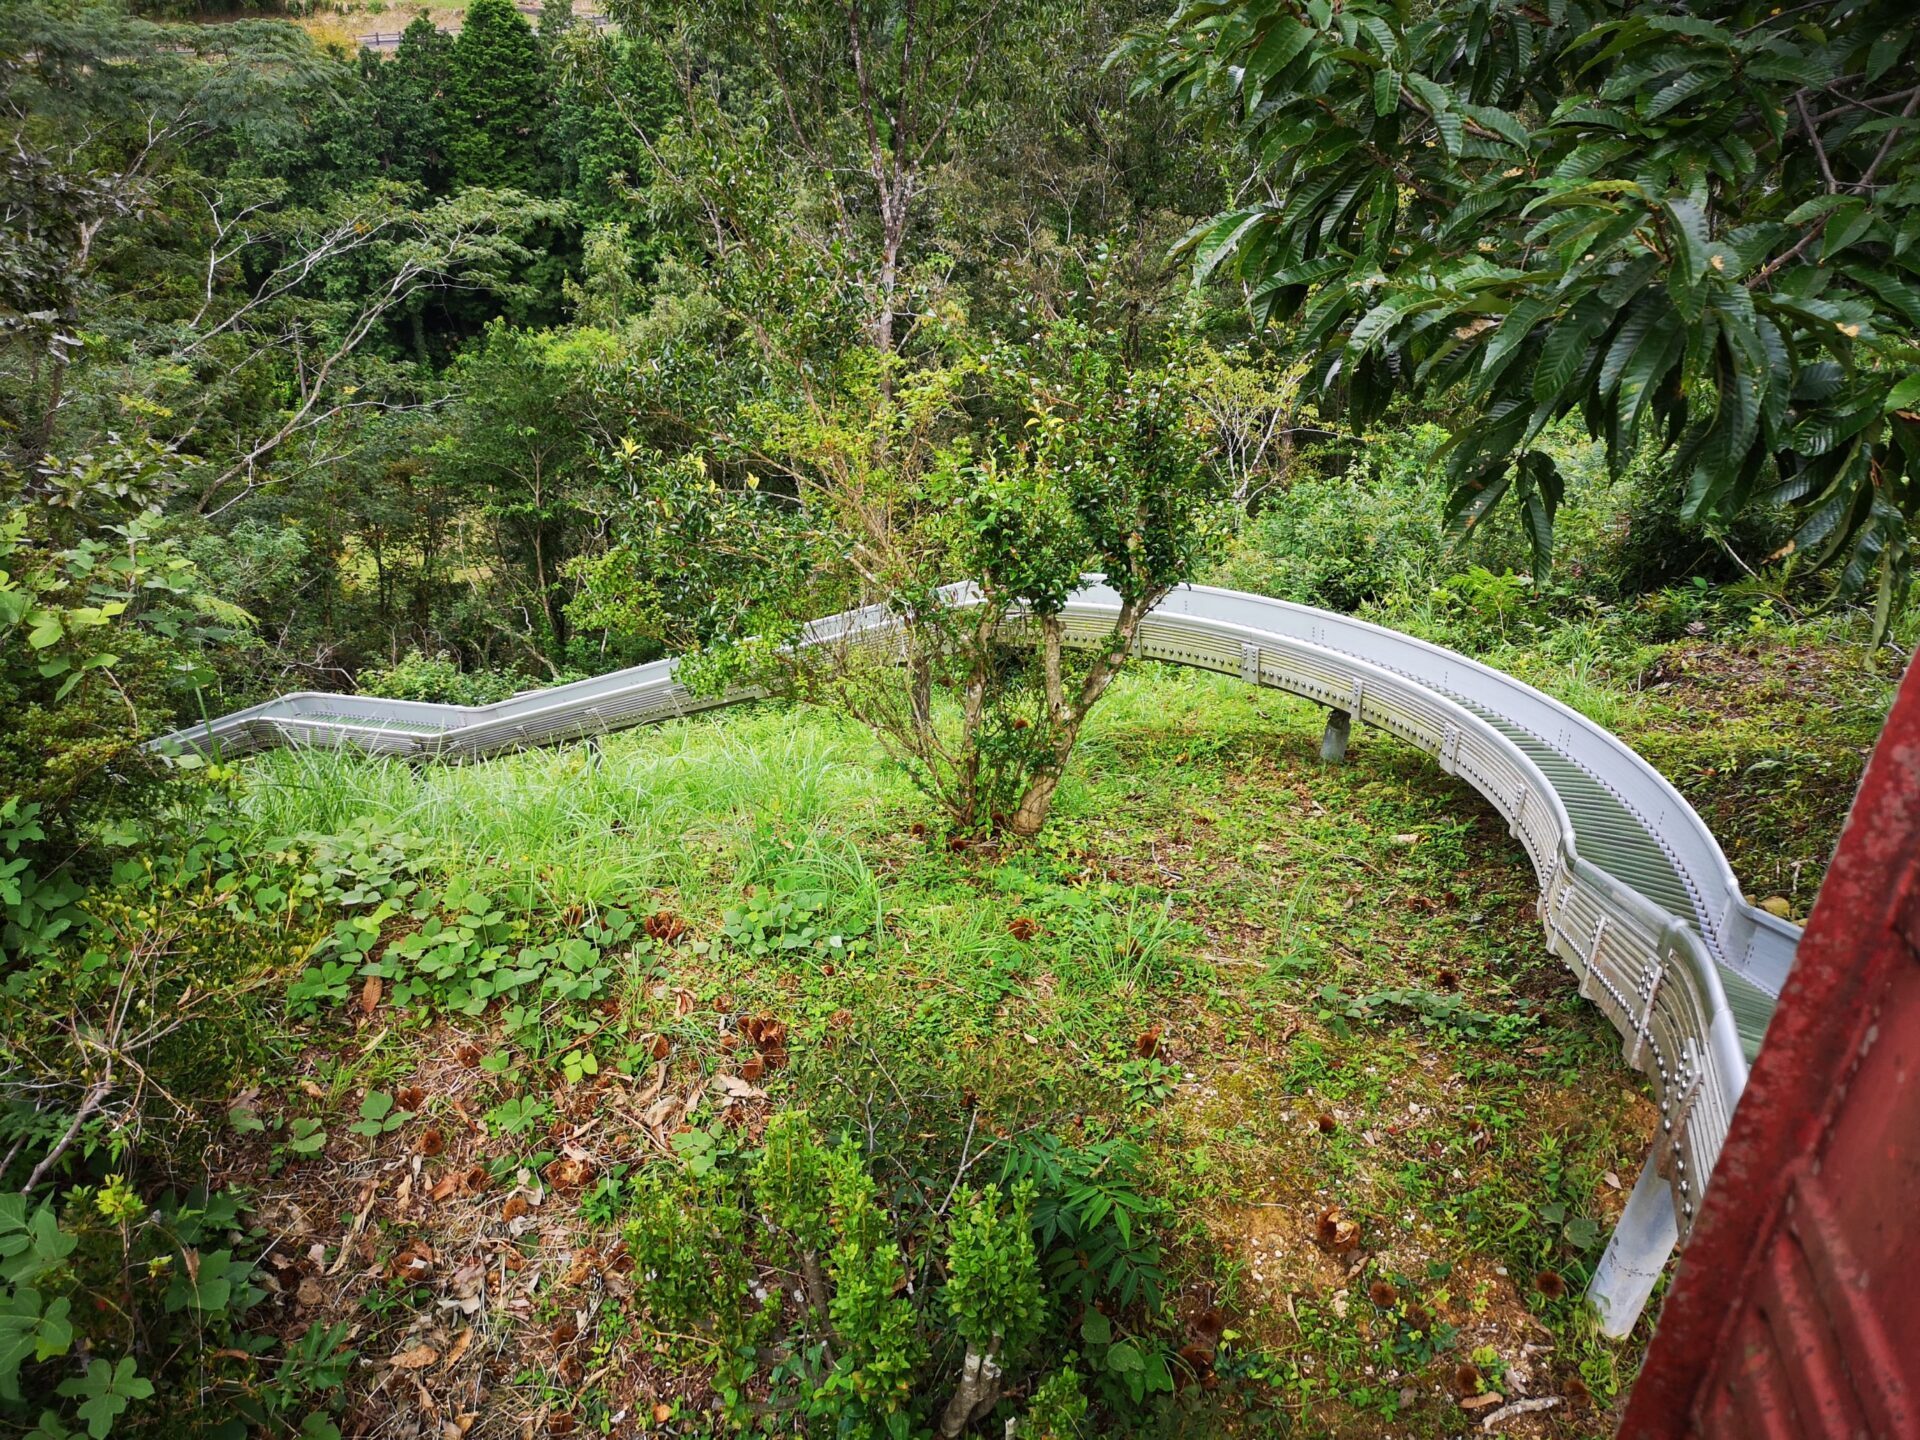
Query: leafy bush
[152,1292]
[1092,1219]
[416,676]
[1347,539]
[127,1001]
[855,1355]
[103,642]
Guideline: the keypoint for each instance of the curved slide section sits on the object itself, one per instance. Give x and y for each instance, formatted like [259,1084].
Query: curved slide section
[1636,896]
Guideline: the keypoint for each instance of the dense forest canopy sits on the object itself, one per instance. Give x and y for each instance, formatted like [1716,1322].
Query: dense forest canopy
[542,344]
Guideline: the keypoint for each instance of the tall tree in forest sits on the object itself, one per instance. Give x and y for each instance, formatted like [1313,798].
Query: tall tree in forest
[498,100]
[412,98]
[611,93]
[863,99]
[519,445]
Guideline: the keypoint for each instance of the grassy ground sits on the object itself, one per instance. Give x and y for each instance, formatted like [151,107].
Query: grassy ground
[1298,989]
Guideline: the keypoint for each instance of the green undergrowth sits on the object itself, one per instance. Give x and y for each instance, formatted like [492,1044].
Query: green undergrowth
[689,1083]
[1231,1001]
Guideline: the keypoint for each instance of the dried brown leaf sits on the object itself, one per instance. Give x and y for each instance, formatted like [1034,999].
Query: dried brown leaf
[1337,1233]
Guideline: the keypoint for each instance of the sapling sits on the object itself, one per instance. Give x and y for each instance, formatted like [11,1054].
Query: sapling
[789,1183]
[880,1344]
[993,1295]
[1057,1409]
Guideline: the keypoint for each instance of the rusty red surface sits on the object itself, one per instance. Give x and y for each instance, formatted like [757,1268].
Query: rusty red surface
[1795,1310]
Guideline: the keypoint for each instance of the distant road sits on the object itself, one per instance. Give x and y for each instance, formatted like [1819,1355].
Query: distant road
[390,39]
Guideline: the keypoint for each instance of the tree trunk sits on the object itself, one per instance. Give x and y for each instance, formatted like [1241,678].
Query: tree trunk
[818,1297]
[1067,716]
[976,1395]
[894,234]
[1031,815]
[555,620]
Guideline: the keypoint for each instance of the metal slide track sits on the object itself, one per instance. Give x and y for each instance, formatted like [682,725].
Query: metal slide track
[1635,894]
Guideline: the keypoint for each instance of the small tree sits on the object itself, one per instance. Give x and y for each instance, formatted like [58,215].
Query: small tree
[1091,463]
[993,1294]
[790,1181]
[1094,465]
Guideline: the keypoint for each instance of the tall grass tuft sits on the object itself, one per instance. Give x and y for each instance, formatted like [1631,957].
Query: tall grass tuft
[701,806]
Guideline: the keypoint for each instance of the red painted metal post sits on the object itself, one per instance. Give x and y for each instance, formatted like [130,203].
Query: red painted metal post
[1795,1310]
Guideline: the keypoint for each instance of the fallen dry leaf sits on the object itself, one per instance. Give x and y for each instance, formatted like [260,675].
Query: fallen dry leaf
[738,1089]
[412,1261]
[568,1173]
[662,1112]
[461,1343]
[1196,1367]
[1337,1233]
[665,926]
[654,1086]
[370,994]
[418,1358]
[1480,1402]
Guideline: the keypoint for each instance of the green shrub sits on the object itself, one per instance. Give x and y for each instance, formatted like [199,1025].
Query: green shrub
[1058,1410]
[416,676]
[1092,1218]
[1353,537]
[151,1292]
